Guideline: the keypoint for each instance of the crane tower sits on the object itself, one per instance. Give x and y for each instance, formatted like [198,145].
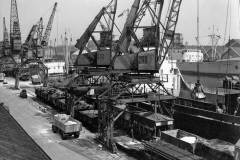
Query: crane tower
[15,34]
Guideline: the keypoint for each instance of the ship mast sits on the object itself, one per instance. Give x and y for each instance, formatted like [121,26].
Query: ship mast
[214,41]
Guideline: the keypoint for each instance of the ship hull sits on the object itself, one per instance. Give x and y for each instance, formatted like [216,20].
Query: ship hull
[217,68]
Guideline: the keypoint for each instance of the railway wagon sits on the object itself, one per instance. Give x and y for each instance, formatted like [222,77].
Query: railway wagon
[143,125]
[89,118]
[55,96]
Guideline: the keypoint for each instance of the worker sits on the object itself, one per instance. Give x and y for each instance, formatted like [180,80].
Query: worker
[218,109]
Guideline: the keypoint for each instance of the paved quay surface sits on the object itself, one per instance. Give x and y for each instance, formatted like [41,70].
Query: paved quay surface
[37,124]
[15,143]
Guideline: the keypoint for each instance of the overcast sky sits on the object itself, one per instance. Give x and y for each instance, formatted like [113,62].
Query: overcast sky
[74,16]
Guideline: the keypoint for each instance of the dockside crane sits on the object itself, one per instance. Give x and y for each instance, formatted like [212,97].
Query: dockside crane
[47,33]
[12,47]
[33,40]
[83,40]
[105,18]
[36,43]
[6,43]
[152,49]
[130,85]
[126,71]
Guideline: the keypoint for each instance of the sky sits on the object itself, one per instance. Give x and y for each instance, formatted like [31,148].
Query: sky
[74,16]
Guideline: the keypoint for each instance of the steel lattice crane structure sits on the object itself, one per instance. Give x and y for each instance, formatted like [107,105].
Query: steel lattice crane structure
[6,43]
[12,47]
[15,34]
[33,39]
[45,39]
[169,30]
[107,15]
[5,46]
[129,84]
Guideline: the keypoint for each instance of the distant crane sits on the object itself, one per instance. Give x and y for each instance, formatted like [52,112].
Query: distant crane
[33,39]
[12,49]
[36,43]
[47,33]
[15,34]
[6,44]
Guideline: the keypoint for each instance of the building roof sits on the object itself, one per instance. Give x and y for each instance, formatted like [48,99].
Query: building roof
[233,43]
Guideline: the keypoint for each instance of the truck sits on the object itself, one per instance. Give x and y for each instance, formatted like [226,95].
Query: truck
[36,79]
[2,77]
[66,126]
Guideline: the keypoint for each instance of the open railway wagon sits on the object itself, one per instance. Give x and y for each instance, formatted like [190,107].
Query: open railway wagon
[66,126]
[142,124]
[89,118]
[181,145]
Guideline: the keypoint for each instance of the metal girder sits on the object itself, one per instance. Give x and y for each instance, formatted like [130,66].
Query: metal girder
[15,34]
[90,80]
[106,124]
[47,33]
[169,31]
[121,91]
[83,40]
[125,38]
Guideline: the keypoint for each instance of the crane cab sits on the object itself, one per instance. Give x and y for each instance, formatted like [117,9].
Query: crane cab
[100,58]
[147,61]
[139,62]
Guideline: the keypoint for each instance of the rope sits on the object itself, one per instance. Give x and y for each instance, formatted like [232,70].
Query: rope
[225,31]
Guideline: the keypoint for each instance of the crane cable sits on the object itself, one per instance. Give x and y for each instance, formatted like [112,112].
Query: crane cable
[226,24]
[228,20]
